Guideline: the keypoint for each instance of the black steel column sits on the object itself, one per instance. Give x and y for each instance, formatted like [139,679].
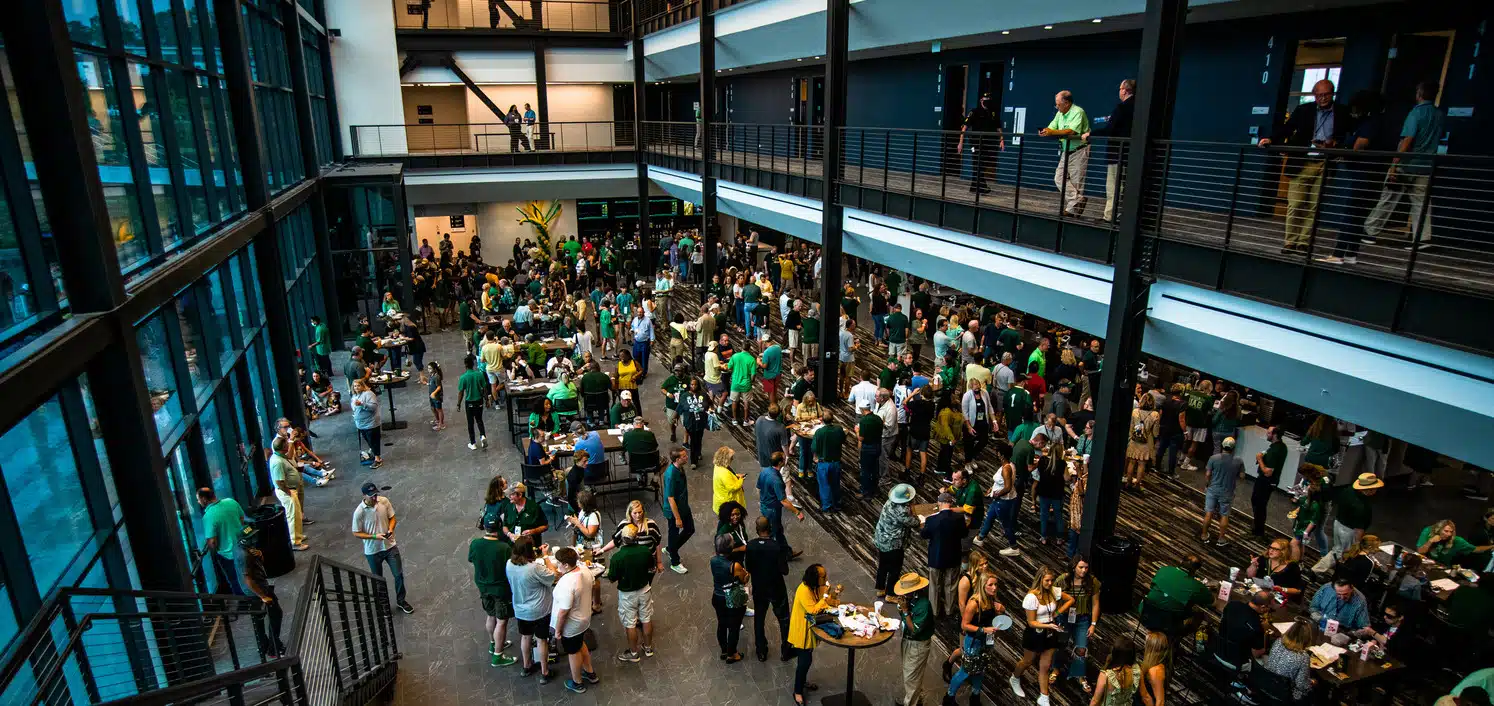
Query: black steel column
[837,31]
[306,122]
[541,99]
[640,82]
[50,95]
[710,233]
[1161,46]
[238,85]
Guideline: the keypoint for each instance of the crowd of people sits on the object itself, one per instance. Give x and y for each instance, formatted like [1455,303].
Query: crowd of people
[1007,413]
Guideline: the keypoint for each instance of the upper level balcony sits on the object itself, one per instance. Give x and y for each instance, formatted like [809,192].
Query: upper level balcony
[509,17]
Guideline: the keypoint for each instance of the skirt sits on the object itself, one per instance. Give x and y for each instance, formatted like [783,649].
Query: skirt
[1138,451]
[1039,640]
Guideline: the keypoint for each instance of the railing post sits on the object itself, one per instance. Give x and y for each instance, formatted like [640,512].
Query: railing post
[886,164]
[1063,180]
[861,158]
[1416,235]
[319,584]
[913,172]
[1229,218]
[353,136]
[943,170]
[1016,189]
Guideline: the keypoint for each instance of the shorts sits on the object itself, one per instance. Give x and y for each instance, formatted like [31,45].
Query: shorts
[793,340]
[535,628]
[1039,640]
[495,376]
[635,607]
[716,388]
[736,395]
[918,445]
[1218,502]
[1197,434]
[572,645]
[670,415]
[497,607]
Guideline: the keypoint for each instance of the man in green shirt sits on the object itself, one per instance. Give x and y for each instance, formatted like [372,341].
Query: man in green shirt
[912,592]
[470,388]
[641,443]
[923,301]
[489,555]
[222,522]
[869,433]
[743,367]
[595,387]
[809,335]
[1008,340]
[1040,355]
[321,346]
[1071,126]
[1352,513]
[670,387]
[896,326]
[1174,594]
[632,568]
[827,444]
[623,412]
[1018,409]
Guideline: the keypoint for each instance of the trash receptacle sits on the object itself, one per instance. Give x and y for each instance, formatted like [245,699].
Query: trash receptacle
[1116,560]
[274,539]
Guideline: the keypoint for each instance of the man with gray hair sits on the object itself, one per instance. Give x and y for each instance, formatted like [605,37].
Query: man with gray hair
[1070,125]
[1117,125]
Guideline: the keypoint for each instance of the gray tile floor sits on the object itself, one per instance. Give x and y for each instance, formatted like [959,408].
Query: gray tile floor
[437,486]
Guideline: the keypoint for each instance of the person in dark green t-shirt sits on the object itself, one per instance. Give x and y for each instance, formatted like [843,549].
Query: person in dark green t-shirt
[896,326]
[1198,412]
[1174,594]
[671,387]
[321,346]
[743,367]
[894,283]
[632,567]
[912,591]
[489,555]
[464,316]
[869,433]
[1018,409]
[623,412]
[470,388]
[827,443]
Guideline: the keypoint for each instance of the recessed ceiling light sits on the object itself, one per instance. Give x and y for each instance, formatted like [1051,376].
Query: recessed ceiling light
[1097,20]
[1006,31]
[1047,26]
[799,59]
[817,57]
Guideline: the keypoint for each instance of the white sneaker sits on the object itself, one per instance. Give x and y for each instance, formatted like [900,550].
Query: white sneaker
[679,569]
[979,540]
[1043,700]
[484,442]
[471,447]
[750,612]
[1009,552]
[321,482]
[1351,260]
[1330,260]
[1017,687]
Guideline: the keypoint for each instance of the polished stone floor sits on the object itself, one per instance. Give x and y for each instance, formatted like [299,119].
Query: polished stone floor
[437,486]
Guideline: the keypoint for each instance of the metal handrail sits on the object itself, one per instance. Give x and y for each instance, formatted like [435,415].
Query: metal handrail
[490,138]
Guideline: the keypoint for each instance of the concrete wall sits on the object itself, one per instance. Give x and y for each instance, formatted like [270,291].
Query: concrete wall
[365,69]
[432,228]
[448,115]
[499,224]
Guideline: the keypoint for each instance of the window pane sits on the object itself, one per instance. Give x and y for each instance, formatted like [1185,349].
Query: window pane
[83,21]
[120,194]
[271,390]
[166,30]
[257,383]
[98,440]
[16,302]
[46,493]
[184,490]
[248,317]
[147,86]
[160,380]
[190,312]
[216,449]
[226,343]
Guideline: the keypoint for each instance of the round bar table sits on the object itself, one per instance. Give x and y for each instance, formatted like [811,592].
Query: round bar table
[851,643]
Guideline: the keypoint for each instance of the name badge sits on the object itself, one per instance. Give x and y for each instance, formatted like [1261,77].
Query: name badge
[1073,616]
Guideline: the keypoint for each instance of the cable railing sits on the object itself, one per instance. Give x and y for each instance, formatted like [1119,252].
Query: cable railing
[509,15]
[101,646]
[1428,219]
[655,15]
[490,138]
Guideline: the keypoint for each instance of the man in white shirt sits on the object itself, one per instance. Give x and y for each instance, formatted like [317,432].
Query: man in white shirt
[864,393]
[1003,377]
[968,342]
[570,617]
[888,412]
[373,522]
[662,287]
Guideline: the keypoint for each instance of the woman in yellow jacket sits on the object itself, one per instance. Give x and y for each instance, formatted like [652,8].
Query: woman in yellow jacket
[726,484]
[949,429]
[812,596]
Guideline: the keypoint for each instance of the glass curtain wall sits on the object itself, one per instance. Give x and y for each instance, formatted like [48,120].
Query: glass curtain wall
[365,226]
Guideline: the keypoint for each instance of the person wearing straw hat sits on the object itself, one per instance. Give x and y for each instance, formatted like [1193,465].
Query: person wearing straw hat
[891,535]
[1352,513]
[912,591]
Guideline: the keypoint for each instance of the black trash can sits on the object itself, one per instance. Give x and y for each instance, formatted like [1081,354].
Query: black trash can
[274,539]
[1116,560]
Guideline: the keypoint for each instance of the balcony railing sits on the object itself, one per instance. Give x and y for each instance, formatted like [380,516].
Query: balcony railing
[510,15]
[1323,230]
[490,138]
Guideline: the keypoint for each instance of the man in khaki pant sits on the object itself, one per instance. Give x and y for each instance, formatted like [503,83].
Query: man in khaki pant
[1314,124]
[918,631]
[1070,124]
[287,480]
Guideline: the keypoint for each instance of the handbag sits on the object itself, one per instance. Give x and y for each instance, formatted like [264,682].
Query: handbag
[736,596]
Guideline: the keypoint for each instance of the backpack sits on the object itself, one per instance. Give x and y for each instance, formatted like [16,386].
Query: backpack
[1138,431]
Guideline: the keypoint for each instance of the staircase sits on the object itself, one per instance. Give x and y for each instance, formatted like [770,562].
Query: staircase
[101,646]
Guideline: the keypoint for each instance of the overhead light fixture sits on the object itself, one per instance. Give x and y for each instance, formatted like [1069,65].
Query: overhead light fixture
[817,57]
[1006,31]
[1097,20]
[1047,26]
[799,59]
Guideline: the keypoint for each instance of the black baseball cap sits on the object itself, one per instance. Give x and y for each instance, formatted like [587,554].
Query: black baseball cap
[371,489]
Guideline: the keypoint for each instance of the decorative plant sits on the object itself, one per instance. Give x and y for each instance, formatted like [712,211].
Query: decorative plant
[540,215]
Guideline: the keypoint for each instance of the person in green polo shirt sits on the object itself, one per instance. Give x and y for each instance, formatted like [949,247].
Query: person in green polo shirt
[912,592]
[743,367]
[1174,593]
[489,555]
[1071,126]
[1440,543]
[896,326]
[223,523]
[671,388]
[470,388]
[809,336]
[632,568]
[827,443]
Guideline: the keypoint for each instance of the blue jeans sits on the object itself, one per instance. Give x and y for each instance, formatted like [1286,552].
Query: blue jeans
[806,457]
[1173,442]
[1073,542]
[1004,510]
[396,568]
[1079,634]
[878,323]
[640,354]
[1050,508]
[829,477]
[684,270]
[775,520]
[971,645]
[871,465]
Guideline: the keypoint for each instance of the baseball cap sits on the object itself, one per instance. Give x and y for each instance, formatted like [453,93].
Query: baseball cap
[370,489]
[626,394]
[947,498]
[1228,443]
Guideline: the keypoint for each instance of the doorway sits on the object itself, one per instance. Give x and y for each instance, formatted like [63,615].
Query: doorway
[1414,58]
[956,81]
[808,110]
[992,80]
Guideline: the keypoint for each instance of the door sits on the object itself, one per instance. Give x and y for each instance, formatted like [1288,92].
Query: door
[1414,58]
[953,113]
[992,80]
